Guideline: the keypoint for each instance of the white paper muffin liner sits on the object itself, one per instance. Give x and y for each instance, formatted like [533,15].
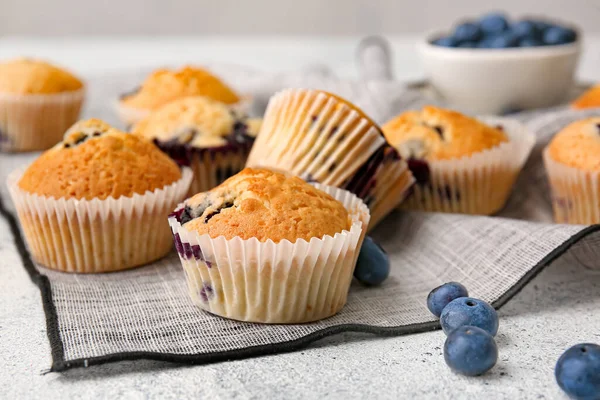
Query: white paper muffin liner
[37,121]
[88,236]
[322,139]
[479,184]
[267,282]
[575,193]
[132,115]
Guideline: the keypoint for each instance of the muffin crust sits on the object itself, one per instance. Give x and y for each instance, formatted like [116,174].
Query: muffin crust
[578,145]
[28,76]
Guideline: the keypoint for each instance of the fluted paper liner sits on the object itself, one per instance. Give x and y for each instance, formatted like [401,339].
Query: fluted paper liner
[88,236]
[37,121]
[575,193]
[320,138]
[477,184]
[267,282]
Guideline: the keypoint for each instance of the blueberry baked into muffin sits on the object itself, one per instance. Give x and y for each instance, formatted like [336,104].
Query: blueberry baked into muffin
[210,137]
[323,138]
[98,201]
[268,247]
[166,85]
[461,164]
[572,161]
[38,102]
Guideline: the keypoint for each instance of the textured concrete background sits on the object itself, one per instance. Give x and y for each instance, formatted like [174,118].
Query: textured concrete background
[306,17]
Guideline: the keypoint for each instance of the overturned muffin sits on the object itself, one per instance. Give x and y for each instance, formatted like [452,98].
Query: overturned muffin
[461,164]
[81,202]
[210,137]
[266,247]
[165,85]
[572,161]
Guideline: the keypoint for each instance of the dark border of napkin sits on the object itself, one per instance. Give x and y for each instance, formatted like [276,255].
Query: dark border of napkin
[59,363]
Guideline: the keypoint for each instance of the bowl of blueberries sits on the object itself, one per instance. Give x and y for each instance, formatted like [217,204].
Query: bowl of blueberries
[492,65]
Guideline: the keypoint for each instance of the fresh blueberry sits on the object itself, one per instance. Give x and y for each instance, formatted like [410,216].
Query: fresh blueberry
[467,32]
[373,265]
[470,351]
[439,297]
[578,371]
[525,29]
[542,25]
[530,42]
[469,311]
[558,35]
[493,23]
[447,41]
[468,45]
[503,41]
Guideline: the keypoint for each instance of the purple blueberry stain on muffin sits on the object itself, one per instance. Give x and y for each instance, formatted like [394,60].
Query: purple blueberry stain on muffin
[4,140]
[217,211]
[206,292]
[562,202]
[420,170]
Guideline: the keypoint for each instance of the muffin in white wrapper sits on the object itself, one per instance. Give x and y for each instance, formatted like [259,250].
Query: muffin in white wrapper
[30,122]
[268,282]
[90,236]
[322,138]
[478,184]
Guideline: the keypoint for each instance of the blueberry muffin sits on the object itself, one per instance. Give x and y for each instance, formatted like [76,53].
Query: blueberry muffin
[98,201]
[165,85]
[589,99]
[268,247]
[461,164]
[38,102]
[209,136]
[323,138]
[572,161]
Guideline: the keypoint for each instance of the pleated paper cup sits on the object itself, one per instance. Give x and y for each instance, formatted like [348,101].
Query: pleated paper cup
[89,236]
[267,282]
[320,138]
[211,166]
[479,184]
[575,193]
[35,122]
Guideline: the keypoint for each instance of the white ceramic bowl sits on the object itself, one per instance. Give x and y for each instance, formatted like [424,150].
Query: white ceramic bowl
[491,81]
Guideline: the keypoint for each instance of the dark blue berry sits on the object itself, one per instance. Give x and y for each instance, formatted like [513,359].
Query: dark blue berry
[525,30]
[467,311]
[467,32]
[578,372]
[468,45]
[470,351]
[439,297]
[542,25]
[530,42]
[373,265]
[493,23]
[503,41]
[448,41]
[557,35]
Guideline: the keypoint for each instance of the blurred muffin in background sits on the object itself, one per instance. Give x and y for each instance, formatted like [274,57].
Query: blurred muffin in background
[38,102]
[98,201]
[572,161]
[589,99]
[323,138]
[165,85]
[461,164]
[209,136]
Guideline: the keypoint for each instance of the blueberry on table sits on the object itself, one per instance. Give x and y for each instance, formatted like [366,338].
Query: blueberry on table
[525,29]
[558,35]
[467,311]
[373,264]
[470,351]
[578,372]
[493,23]
[442,295]
[447,41]
[467,32]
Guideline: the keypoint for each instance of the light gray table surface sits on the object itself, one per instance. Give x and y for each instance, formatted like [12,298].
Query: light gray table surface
[558,309]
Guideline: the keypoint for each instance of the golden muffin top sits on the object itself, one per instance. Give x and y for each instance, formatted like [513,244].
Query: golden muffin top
[165,85]
[96,160]
[199,121]
[438,134]
[262,204]
[578,145]
[27,76]
[589,99]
